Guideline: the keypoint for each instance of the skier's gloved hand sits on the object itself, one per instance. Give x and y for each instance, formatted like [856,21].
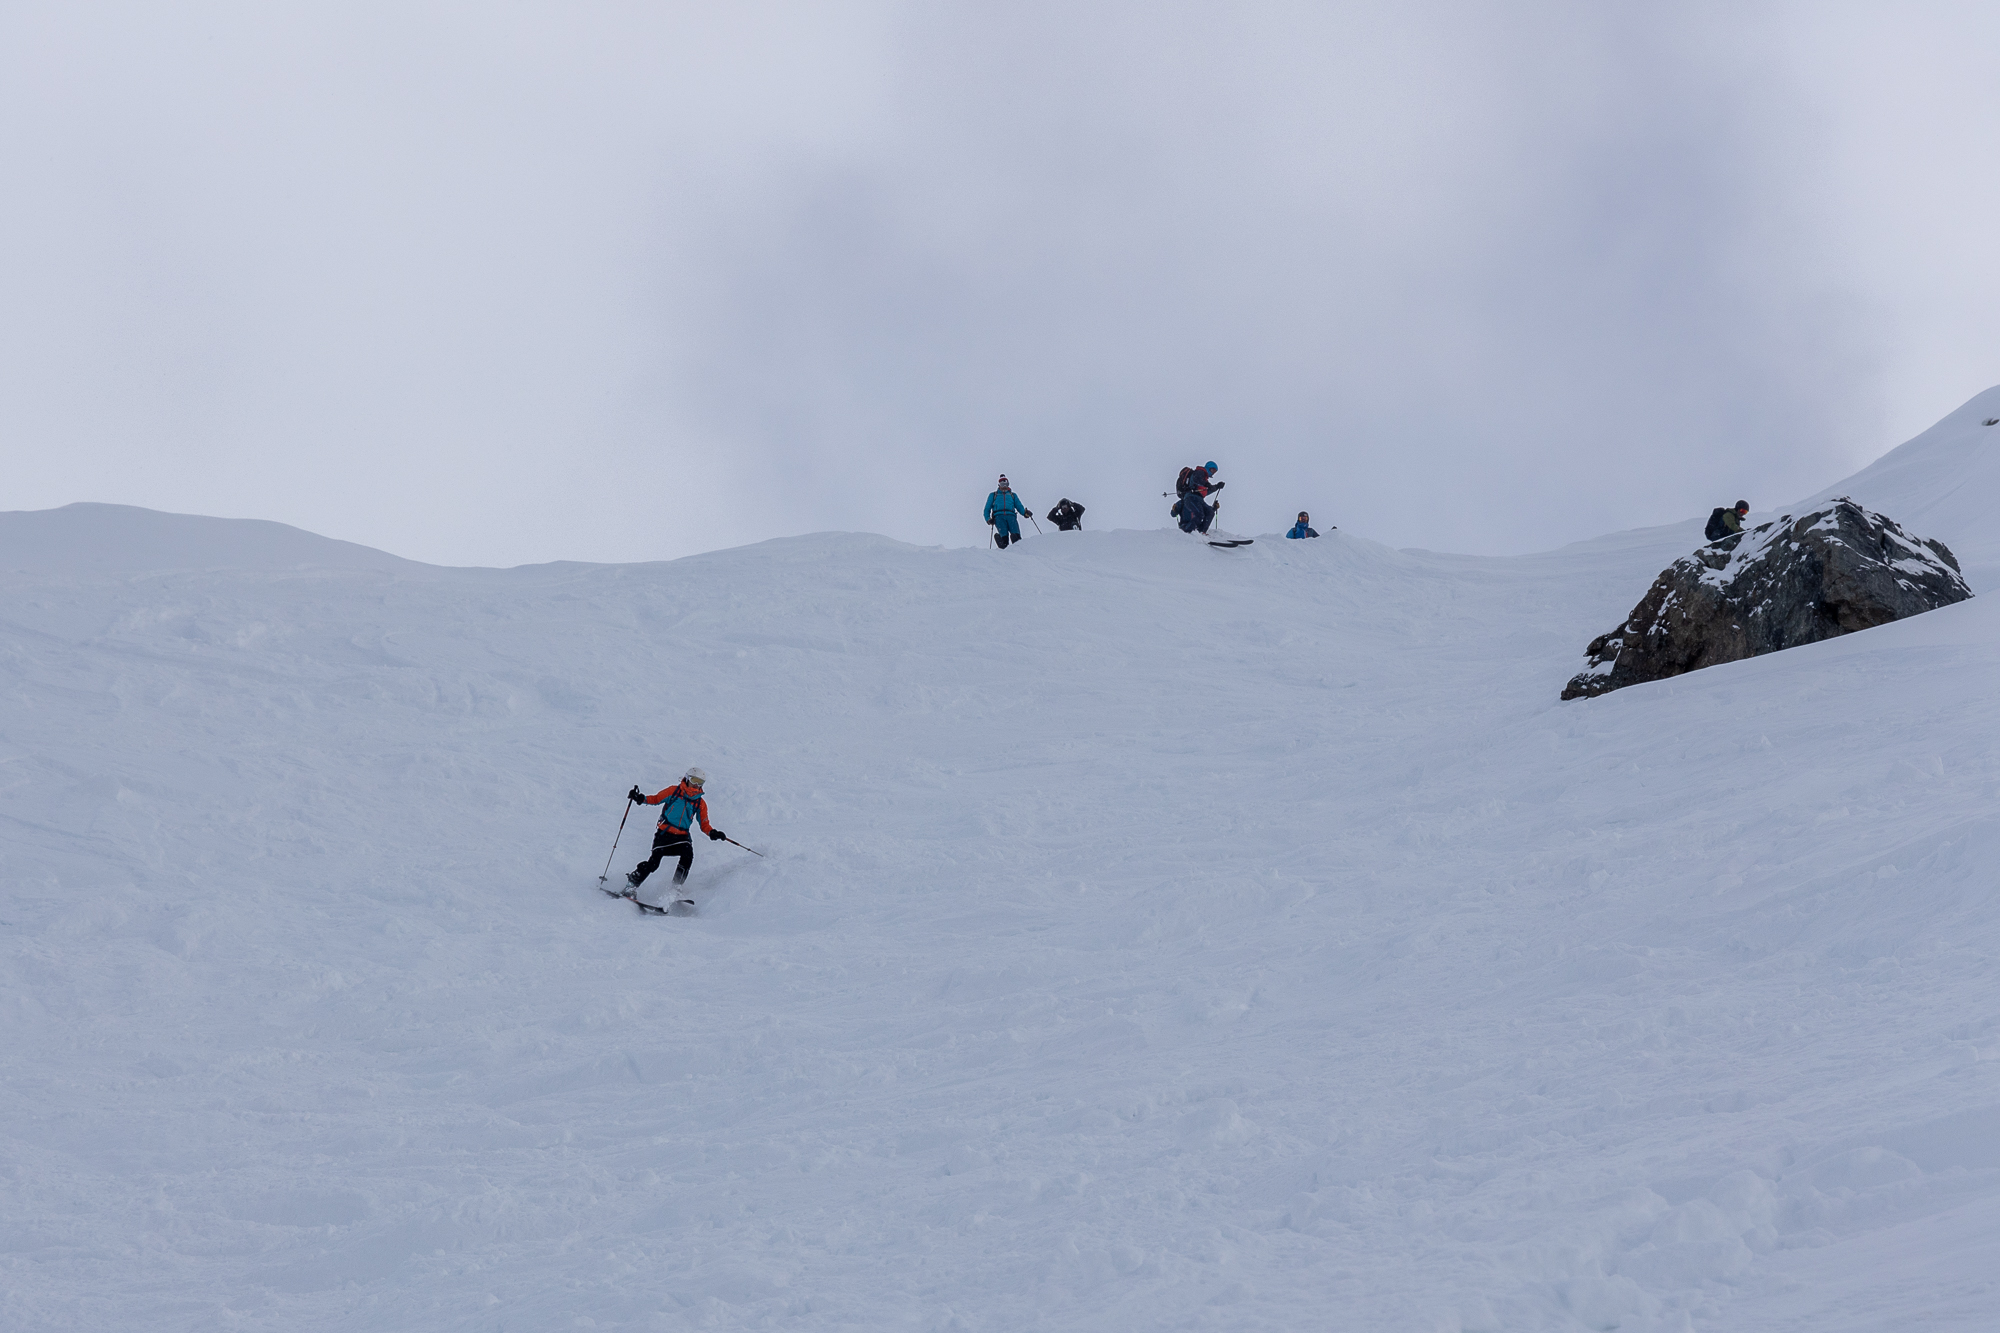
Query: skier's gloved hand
[636,795]
[716,835]
[1218,486]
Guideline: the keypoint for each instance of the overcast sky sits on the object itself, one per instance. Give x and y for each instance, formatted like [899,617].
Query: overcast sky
[489,283]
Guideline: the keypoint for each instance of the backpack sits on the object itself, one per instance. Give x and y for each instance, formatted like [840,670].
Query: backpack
[1186,480]
[681,810]
[1716,529]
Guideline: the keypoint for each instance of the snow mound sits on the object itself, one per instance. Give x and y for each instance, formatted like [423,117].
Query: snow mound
[101,538]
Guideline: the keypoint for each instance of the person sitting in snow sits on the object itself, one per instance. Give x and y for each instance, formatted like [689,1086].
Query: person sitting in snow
[1067,516]
[1194,487]
[1004,512]
[683,806]
[1726,522]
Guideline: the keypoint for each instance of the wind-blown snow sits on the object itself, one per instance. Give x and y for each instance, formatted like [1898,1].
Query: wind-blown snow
[1151,937]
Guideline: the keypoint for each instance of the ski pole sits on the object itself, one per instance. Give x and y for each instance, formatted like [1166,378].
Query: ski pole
[614,842]
[1032,519]
[732,842]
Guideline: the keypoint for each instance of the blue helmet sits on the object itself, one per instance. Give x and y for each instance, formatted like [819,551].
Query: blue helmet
[1209,466]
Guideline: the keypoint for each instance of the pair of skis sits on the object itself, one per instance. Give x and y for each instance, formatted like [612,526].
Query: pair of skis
[645,909]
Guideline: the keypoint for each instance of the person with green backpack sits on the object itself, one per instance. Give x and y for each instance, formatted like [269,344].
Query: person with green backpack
[1726,522]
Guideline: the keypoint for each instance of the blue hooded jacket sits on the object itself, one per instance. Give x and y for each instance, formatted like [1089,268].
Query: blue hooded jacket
[1301,530]
[1003,503]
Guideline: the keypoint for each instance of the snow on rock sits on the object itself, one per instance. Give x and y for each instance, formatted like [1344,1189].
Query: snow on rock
[1150,938]
[1778,585]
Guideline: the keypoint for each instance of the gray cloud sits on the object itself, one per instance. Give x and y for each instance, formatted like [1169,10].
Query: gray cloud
[500,284]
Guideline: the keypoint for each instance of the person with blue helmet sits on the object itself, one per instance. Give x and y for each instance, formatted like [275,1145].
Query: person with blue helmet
[1300,529]
[1194,487]
[1003,511]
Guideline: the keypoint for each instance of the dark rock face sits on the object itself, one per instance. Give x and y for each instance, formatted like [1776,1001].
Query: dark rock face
[1780,584]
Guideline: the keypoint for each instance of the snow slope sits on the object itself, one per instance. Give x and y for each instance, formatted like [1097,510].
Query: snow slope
[1944,480]
[1152,938]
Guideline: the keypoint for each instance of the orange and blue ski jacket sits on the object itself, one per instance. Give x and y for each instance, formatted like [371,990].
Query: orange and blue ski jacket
[682,806]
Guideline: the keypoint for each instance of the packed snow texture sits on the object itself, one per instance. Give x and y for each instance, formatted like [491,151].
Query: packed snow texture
[1151,937]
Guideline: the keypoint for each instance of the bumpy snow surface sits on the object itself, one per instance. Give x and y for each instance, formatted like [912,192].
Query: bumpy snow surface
[1151,937]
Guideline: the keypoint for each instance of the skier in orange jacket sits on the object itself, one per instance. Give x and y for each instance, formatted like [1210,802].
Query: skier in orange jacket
[682,807]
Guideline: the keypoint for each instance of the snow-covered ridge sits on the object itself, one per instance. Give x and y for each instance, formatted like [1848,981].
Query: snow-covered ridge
[101,538]
[1152,937]
[1941,484]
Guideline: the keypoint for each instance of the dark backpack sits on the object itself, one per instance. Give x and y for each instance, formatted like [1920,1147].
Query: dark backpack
[1716,529]
[1186,480]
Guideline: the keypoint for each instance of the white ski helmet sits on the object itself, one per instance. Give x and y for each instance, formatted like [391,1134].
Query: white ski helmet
[696,776]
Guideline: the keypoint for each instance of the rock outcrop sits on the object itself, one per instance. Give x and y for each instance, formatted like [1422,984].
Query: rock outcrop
[1780,584]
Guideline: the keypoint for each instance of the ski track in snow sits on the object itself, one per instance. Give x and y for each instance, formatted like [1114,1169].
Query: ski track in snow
[1150,938]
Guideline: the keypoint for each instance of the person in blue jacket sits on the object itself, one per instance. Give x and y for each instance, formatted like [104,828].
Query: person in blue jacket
[1300,529]
[1003,511]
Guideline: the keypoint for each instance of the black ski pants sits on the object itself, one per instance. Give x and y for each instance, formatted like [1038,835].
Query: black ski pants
[1196,513]
[1001,539]
[666,843]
